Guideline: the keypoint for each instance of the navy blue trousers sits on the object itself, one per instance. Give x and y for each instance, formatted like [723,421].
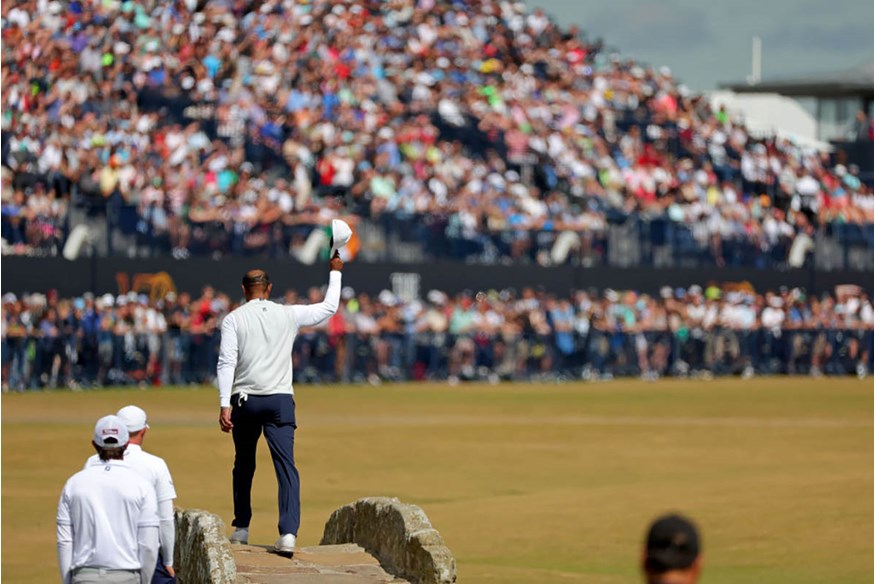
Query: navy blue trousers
[275,416]
[161,575]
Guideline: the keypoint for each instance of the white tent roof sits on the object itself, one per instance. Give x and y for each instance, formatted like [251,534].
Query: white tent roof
[770,114]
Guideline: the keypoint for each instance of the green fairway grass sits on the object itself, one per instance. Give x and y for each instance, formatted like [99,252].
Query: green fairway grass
[526,482]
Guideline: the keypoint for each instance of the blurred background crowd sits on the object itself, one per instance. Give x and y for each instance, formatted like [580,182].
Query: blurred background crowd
[97,340]
[471,130]
[474,130]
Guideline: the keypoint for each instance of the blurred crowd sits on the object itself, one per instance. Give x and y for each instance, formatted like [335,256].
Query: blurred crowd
[91,341]
[231,127]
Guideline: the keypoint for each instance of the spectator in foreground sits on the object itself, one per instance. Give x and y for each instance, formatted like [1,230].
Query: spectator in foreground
[672,552]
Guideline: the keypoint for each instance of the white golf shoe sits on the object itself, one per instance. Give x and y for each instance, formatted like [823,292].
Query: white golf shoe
[286,544]
[240,535]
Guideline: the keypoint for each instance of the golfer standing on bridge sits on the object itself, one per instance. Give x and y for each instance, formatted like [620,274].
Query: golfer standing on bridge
[255,392]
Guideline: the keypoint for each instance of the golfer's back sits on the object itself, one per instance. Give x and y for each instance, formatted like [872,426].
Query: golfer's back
[265,334]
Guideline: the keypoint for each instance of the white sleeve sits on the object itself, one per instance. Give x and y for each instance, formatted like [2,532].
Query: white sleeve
[164,488]
[147,546]
[313,314]
[166,533]
[65,538]
[147,535]
[227,360]
[65,551]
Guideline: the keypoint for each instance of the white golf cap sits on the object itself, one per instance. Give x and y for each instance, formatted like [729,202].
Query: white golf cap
[341,234]
[133,417]
[110,432]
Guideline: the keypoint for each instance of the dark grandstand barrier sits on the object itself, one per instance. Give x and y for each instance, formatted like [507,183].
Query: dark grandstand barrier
[186,358]
[157,276]
[626,241]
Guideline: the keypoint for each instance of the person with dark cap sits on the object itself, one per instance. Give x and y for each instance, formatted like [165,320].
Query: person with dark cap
[255,373]
[672,552]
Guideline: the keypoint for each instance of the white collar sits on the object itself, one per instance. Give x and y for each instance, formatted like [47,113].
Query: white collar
[112,462]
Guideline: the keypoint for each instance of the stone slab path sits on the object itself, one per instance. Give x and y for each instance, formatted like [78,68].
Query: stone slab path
[325,564]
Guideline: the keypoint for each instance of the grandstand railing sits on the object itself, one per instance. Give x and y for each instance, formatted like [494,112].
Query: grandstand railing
[185,358]
[625,241]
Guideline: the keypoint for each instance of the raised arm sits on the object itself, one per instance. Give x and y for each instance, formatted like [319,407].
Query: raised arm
[313,314]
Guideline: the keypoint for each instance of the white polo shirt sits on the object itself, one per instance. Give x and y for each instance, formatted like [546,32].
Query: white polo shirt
[255,354]
[150,467]
[104,505]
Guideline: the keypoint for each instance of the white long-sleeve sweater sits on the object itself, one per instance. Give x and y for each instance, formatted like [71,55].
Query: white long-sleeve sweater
[255,355]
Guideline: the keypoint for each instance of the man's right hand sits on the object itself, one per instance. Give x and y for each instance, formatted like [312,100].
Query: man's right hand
[336,263]
[225,419]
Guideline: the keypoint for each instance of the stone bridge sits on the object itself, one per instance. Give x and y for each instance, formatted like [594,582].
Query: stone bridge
[373,540]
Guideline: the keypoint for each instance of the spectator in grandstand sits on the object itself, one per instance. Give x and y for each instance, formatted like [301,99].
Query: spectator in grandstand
[862,128]
[177,317]
[16,330]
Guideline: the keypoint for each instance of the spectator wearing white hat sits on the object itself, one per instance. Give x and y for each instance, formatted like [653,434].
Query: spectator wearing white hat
[107,522]
[154,470]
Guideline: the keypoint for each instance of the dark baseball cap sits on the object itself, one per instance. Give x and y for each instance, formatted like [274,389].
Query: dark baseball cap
[673,543]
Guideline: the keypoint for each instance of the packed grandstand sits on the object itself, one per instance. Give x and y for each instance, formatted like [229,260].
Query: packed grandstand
[220,127]
[478,130]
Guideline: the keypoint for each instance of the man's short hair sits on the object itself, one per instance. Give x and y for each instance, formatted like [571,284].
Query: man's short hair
[672,543]
[256,278]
